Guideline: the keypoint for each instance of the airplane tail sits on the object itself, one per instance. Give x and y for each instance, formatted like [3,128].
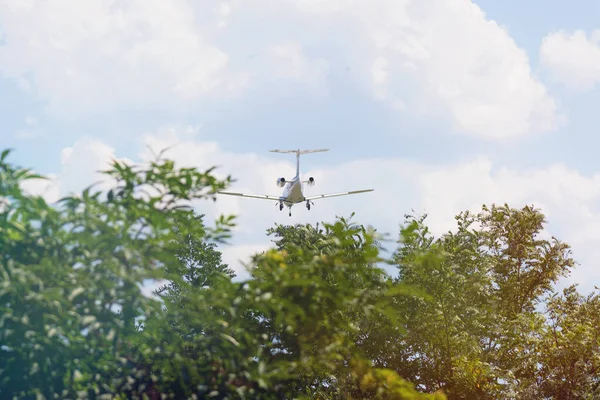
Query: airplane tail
[298,152]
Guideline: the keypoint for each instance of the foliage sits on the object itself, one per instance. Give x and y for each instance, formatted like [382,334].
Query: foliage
[472,314]
[479,337]
[284,333]
[569,347]
[372,332]
[71,275]
[70,294]
[200,263]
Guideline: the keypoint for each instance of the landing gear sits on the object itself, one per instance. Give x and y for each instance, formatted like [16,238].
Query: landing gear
[308,204]
[280,204]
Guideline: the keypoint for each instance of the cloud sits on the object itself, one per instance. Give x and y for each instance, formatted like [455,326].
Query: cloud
[573,59]
[28,134]
[31,121]
[567,197]
[457,62]
[32,131]
[564,195]
[289,61]
[48,188]
[442,58]
[96,55]
[81,164]
[223,12]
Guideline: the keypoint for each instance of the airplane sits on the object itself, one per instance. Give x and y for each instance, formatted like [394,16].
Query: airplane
[293,189]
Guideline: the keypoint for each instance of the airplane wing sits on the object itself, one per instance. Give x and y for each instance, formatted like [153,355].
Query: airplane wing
[254,196]
[322,196]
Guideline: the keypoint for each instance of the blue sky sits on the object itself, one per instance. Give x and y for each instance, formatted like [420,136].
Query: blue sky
[440,105]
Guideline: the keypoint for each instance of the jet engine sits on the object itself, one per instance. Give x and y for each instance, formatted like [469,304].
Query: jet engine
[281,182]
[311,181]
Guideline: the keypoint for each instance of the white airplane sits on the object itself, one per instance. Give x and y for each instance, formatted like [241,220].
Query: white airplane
[292,192]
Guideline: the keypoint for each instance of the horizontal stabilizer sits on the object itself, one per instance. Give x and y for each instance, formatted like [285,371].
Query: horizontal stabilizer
[298,151]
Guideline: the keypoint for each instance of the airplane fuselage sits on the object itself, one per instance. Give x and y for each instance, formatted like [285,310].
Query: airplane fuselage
[293,193]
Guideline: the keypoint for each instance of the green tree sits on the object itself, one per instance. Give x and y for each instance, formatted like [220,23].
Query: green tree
[284,333]
[441,348]
[74,322]
[200,263]
[371,332]
[70,276]
[524,268]
[477,338]
[569,350]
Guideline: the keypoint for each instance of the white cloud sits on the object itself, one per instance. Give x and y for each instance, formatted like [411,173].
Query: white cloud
[28,134]
[223,11]
[440,57]
[48,188]
[457,60]
[98,55]
[289,61]
[32,131]
[566,197]
[380,72]
[81,164]
[573,58]
[31,121]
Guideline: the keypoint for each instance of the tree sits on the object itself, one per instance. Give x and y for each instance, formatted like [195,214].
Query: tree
[70,276]
[199,264]
[75,323]
[477,338]
[370,332]
[569,350]
[284,333]
[524,268]
[441,347]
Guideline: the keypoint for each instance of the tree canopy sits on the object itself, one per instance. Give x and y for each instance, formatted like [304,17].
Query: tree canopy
[471,314]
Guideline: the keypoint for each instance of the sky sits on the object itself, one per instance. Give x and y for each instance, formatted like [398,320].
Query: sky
[439,105]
